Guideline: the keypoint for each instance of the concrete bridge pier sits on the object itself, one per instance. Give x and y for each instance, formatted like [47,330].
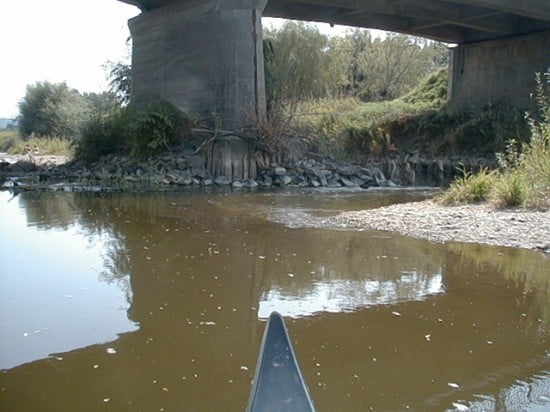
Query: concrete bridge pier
[501,70]
[203,56]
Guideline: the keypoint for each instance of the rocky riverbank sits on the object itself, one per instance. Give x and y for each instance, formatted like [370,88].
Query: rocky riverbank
[187,169]
[171,171]
[477,223]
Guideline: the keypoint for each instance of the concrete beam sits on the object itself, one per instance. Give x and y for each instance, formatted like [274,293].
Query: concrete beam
[205,57]
[535,9]
[498,70]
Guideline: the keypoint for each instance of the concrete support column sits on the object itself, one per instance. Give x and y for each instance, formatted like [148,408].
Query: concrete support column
[499,70]
[203,56]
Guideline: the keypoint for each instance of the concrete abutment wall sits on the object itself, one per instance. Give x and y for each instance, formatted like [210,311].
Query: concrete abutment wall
[203,56]
[498,71]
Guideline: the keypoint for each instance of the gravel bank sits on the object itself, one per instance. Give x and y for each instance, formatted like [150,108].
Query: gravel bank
[478,223]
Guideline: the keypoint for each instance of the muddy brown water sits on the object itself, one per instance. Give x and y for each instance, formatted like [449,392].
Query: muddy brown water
[157,302]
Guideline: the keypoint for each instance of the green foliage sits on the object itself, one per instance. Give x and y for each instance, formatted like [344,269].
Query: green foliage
[101,135]
[156,128]
[140,132]
[120,84]
[469,188]
[347,126]
[302,64]
[295,63]
[100,104]
[431,92]
[375,69]
[50,109]
[509,189]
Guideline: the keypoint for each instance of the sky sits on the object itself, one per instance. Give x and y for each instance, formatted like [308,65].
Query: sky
[66,41]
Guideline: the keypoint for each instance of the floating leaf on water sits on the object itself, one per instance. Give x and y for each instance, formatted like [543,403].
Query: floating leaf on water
[261,257]
[96,366]
[208,323]
[25,334]
[290,275]
[59,358]
[244,368]
[110,351]
[453,385]
[396,313]
[489,342]
[428,337]
[165,389]
[106,400]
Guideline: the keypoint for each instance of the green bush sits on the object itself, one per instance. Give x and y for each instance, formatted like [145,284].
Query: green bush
[156,129]
[101,135]
[140,132]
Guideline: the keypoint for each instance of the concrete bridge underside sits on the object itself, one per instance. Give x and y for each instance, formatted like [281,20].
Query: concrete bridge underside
[206,56]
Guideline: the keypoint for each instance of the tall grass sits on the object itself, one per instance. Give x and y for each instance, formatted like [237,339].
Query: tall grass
[12,143]
[469,188]
[419,121]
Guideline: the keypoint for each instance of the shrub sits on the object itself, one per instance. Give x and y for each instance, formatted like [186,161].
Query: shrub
[101,135]
[139,132]
[157,128]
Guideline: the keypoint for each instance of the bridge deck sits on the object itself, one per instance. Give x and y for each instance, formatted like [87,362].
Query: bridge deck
[452,21]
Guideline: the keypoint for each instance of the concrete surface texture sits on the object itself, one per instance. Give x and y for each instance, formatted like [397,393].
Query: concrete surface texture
[205,57]
[498,70]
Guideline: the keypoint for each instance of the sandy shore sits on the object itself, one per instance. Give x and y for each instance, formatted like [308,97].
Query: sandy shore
[479,223]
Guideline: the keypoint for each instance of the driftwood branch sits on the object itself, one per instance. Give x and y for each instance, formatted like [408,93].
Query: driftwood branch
[216,134]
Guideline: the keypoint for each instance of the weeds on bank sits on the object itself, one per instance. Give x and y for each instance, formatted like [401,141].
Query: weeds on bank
[419,121]
[12,143]
[469,188]
[524,175]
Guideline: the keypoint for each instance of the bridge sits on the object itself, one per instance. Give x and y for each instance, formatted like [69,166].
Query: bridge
[206,55]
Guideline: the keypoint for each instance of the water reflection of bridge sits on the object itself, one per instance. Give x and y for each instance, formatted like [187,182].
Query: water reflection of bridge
[196,295]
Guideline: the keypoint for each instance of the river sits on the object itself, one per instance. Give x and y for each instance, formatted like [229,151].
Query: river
[158,301]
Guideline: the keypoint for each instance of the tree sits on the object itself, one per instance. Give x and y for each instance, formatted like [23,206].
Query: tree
[51,109]
[295,62]
[382,68]
[120,81]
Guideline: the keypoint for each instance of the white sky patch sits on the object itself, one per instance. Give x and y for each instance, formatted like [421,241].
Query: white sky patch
[59,40]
